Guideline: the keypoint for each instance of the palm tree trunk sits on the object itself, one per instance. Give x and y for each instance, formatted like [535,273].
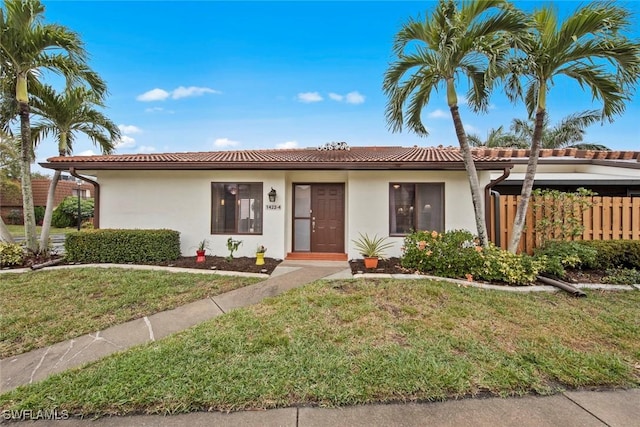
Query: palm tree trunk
[5,236]
[48,214]
[474,183]
[527,184]
[26,157]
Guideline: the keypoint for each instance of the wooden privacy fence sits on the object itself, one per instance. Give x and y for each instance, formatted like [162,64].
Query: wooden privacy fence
[608,218]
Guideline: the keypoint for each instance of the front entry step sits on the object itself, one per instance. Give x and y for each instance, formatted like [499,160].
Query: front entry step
[316,256]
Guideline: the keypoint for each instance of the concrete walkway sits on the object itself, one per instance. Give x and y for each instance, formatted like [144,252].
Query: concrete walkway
[582,408]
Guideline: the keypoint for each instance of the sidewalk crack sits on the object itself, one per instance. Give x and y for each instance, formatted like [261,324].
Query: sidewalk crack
[33,374]
[150,328]
[71,342]
[219,308]
[586,410]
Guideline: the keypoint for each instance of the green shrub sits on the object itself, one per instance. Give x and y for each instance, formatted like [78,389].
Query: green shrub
[66,214]
[39,213]
[122,246]
[558,255]
[456,254]
[614,254]
[504,266]
[622,276]
[10,254]
[60,219]
[449,254]
[15,217]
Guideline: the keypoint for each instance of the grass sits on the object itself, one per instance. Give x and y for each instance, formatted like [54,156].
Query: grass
[18,230]
[354,342]
[42,308]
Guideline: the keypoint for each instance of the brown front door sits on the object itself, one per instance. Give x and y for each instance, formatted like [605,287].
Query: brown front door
[319,218]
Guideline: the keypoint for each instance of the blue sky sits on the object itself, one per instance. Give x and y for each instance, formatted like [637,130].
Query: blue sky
[209,75]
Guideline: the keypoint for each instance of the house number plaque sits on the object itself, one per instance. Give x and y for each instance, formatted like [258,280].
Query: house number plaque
[273,207]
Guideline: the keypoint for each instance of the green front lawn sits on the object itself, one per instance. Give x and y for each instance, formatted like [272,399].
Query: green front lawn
[46,307]
[352,342]
[18,230]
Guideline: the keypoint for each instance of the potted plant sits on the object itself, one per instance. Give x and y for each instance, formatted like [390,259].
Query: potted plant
[202,246]
[371,248]
[260,255]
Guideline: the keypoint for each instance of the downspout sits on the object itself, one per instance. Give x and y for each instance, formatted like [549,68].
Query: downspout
[487,196]
[496,216]
[96,196]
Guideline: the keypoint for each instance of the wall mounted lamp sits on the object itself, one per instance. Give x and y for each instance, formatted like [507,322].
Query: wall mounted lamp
[272,195]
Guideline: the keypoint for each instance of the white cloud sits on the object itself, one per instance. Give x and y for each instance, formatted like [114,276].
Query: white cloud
[462,100]
[225,142]
[129,129]
[158,94]
[146,149]
[153,95]
[471,129]
[87,153]
[191,91]
[153,109]
[354,98]
[287,145]
[308,97]
[438,114]
[125,142]
[336,97]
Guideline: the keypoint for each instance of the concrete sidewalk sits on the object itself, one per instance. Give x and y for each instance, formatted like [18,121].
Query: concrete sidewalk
[569,409]
[580,408]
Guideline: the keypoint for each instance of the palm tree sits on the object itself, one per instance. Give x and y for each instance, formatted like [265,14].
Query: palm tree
[470,41]
[497,138]
[26,47]
[63,116]
[568,133]
[589,47]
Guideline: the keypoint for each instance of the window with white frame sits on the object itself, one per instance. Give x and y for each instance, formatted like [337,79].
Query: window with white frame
[415,206]
[236,208]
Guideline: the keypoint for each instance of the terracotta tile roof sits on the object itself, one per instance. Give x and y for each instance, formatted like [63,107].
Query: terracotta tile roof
[357,157]
[510,153]
[63,189]
[383,157]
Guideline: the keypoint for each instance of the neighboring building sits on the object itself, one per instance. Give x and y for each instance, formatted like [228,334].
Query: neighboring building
[11,208]
[321,199]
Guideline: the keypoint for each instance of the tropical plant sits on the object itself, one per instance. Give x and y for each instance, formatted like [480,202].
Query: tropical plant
[471,41]
[233,246]
[372,247]
[203,245]
[497,138]
[28,46]
[589,46]
[63,116]
[568,133]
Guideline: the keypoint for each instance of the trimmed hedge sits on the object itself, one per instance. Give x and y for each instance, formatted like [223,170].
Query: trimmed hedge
[615,253]
[122,246]
[10,254]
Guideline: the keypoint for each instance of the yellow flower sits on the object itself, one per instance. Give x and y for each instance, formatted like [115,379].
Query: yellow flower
[434,234]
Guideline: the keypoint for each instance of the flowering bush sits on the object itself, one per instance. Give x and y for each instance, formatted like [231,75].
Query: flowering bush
[457,254]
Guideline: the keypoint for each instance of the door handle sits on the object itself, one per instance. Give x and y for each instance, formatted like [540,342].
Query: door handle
[313,224]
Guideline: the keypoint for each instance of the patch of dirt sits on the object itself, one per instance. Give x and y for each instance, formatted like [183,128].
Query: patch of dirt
[387,266]
[585,276]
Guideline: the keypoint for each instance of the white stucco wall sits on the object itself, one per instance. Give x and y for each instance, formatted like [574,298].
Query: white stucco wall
[181,200]
[368,201]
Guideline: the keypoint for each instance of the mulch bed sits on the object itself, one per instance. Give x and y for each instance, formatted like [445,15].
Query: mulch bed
[244,264]
[248,264]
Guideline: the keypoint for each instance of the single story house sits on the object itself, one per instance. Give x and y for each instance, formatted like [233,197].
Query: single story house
[299,203]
